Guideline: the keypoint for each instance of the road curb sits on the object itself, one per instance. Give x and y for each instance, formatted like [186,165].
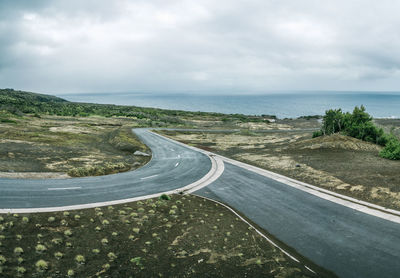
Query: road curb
[217,168]
[359,205]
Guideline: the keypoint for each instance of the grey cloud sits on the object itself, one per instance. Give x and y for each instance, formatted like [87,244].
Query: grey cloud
[154,45]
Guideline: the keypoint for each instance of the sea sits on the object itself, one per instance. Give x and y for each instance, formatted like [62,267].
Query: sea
[280,104]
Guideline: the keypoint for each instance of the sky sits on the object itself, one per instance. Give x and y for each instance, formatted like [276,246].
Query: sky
[251,46]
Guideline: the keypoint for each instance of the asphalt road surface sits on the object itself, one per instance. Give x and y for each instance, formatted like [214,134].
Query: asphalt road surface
[348,242]
[172,166]
[345,241]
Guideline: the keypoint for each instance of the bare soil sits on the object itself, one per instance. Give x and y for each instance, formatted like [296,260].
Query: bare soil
[186,236]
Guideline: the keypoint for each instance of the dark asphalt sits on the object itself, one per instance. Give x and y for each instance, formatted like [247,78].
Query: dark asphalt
[172,166]
[343,240]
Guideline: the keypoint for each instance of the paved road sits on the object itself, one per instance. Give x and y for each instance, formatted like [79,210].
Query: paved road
[338,238]
[172,166]
[346,241]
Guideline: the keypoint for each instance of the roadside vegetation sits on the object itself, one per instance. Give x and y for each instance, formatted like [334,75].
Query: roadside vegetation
[54,146]
[45,136]
[337,162]
[359,124]
[21,103]
[173,236]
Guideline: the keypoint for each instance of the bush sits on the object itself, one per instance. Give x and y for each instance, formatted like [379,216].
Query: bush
[2,259]
[68,233]
[99,170]
[165,197]
[359,125]
[317,134]
[392,149]
[58,255]
[18,251]
[80,259]
[136,261]
[20,270]
[40,248]
[41,265]
[332,121]
[111,256]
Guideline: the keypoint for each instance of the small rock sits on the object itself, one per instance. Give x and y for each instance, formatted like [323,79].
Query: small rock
[141,153]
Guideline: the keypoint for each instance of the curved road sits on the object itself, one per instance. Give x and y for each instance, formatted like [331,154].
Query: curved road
[339,237]
[172,166]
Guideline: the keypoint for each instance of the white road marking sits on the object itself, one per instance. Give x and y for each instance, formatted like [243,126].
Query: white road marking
[179,156]
[64,188]
[172,149]
[149,177]
[310,269]
[176,164]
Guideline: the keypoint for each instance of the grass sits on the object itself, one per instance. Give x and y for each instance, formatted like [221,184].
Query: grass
[200,239]
[77,146]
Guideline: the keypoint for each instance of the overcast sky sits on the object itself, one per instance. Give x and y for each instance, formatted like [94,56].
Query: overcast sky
[70,46]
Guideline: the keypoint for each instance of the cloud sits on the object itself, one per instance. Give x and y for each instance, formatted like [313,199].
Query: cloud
[207,46]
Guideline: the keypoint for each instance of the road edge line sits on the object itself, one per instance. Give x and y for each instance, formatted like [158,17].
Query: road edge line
[358,205]
[292,257]
[214,173]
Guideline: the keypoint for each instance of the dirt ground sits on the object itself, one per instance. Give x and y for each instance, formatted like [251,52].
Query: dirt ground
[185,236]
[50,146]
[338,163]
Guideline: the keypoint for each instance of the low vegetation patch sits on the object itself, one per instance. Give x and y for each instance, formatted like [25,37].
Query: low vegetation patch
[99,170]
[359,125]
[200,239]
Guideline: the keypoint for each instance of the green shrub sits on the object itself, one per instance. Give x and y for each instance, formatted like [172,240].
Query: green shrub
[70,273]
[51,219]
[18,251]
[136,261]
[111,256]
[392,149]
[41,265]
[56,240]
[165,197]
[99,170]
[68,232]
[58,255]
[317,134]
[40,248]
[25,219]
[358,124]
[105,222]
[80,259]
[2,260]
[172,211]
[20,270]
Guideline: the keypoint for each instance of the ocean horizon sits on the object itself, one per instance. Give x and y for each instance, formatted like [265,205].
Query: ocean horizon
[282,105]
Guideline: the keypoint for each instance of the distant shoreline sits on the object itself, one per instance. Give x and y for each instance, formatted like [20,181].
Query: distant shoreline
[379,105]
